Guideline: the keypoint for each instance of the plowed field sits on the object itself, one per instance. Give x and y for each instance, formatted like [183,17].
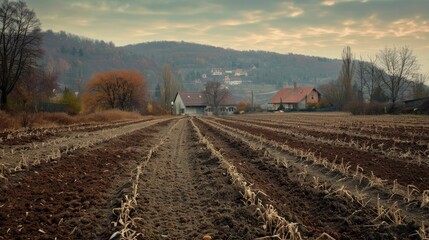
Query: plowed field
[263,176]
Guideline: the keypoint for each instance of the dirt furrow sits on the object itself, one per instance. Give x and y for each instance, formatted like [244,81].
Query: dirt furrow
[73,197]
[377,144]
[325,178]
[315,210]
[185,194]
[383,167]
[25,156]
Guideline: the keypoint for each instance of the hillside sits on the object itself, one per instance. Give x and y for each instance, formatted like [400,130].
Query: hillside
[269,67]
[78,58]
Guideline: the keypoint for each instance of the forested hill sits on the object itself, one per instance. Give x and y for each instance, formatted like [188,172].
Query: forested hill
[78,58]
[194,59]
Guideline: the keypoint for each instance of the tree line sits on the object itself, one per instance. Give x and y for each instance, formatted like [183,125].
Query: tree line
[25,83]
[388,77]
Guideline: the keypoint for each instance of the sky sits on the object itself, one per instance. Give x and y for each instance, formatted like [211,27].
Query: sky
[310,27]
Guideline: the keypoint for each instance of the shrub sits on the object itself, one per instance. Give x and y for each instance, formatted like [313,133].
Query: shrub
[154,108]
[28,119]
[6,121]
[56,119]
[110,116]
[363,108]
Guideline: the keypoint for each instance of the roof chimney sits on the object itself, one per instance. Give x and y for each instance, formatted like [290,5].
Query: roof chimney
[294,85]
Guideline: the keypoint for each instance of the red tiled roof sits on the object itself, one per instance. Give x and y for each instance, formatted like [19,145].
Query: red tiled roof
[291,95]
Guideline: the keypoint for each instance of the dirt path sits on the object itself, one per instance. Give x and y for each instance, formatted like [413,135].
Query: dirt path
[185,194]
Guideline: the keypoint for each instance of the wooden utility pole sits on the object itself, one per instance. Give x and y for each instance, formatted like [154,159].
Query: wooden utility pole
[253,109]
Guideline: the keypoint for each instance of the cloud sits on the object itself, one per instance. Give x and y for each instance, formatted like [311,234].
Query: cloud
[333,2]
[317,27]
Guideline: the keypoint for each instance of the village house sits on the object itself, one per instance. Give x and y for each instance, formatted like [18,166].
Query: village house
[195,103]
[217,71]
[240,72]
[295,98]
[232,81]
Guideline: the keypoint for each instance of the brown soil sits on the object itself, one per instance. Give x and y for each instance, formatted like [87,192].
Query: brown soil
[387,143]
[314,210]
[31,135]
[185,194]
[381,166]
[72,198]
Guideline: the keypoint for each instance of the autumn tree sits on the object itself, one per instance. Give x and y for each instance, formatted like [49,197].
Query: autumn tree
[215,94]
[123,89]
[20,45]
[399,65]
[248,107]
[169,87]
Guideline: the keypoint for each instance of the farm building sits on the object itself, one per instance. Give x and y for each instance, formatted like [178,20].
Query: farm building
[418,105]
[195,103]
[295,98]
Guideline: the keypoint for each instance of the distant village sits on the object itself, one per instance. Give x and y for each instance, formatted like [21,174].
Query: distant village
[230,77]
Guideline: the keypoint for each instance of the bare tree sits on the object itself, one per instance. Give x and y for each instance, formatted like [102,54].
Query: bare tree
[399,65]
[369,79]
[215,94]
[169,86]
[361,72]
[346,75]
[20,45]
[38,87]
[333,92]
[372,79]
[420,90]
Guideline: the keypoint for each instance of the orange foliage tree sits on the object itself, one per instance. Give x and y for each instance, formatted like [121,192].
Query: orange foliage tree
[121,89]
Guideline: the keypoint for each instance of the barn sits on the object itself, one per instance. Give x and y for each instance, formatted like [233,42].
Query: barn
[195,103]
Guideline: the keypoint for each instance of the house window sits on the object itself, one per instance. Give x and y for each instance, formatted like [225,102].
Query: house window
[312,97]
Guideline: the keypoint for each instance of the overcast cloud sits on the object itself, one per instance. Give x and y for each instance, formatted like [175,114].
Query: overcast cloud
[310,27]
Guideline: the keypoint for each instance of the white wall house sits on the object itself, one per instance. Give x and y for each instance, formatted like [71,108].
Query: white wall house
[195,103]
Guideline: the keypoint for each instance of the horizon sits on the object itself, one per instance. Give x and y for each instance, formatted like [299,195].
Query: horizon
[319,28]
[188,42]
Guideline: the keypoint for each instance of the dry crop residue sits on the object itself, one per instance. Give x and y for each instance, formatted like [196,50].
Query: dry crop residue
[73,197]
[315,210]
